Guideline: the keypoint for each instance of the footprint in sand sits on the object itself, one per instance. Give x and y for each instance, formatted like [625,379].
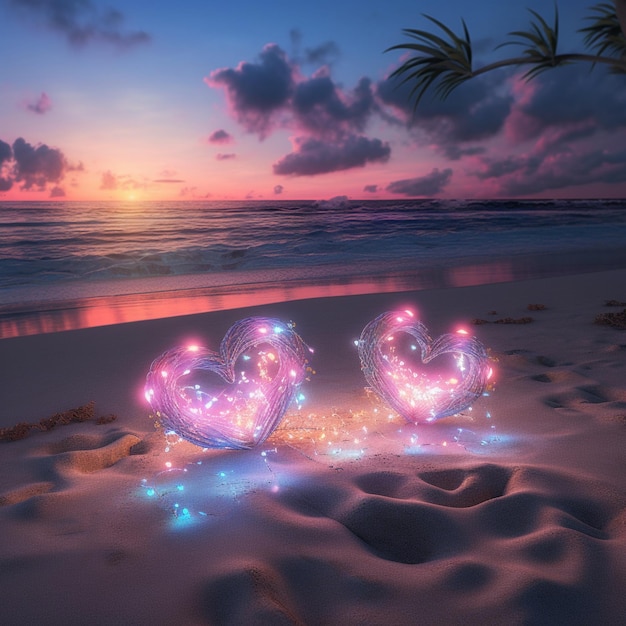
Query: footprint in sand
[609,403]
[93,459]
[537,538]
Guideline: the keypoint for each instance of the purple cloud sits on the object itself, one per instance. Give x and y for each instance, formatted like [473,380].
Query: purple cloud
[567,97]
[220,137]
[6,154]
[476,111]
[257,90]
[37,166]
[323,110]
[324,54]
[278,189]
[328,121]
[32,166]
[535,173]
[370,188]
[225,157]
[43,104]
[429,185]
[496,168]
[561,114]
[313,156]
[57,192]
[81,22]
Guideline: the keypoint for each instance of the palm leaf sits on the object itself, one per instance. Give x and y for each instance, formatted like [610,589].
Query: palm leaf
[604,35]
[540,44]
[446,62]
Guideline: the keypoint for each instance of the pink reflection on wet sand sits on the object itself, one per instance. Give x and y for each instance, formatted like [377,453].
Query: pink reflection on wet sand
[16,321]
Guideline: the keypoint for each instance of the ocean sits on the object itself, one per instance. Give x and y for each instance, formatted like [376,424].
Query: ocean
[66,265]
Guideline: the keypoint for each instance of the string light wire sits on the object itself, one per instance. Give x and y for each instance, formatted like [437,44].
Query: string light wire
[259,368]
[418,391]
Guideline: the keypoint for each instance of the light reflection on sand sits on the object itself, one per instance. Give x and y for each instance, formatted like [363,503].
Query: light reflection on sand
[20,319]
[73,314]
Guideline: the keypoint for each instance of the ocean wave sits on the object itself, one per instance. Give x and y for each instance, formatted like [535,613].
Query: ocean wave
[47,243]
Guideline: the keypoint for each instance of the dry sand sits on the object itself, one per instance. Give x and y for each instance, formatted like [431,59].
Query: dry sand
[346,515]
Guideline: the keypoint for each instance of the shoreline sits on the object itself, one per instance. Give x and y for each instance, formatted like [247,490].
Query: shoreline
[75,307]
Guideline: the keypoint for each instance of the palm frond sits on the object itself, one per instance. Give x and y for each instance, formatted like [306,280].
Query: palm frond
[540,44]
[604,35]
[446,62]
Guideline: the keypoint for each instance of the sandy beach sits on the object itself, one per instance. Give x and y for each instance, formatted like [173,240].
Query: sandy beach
[511,513]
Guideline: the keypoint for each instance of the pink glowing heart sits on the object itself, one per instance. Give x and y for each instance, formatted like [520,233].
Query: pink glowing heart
[233,398]
[421,378]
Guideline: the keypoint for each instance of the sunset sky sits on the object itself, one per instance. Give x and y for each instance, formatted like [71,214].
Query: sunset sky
[290,100]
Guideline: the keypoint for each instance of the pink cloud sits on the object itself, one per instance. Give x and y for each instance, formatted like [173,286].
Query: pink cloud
[42,105]
[111,182]
[220,137]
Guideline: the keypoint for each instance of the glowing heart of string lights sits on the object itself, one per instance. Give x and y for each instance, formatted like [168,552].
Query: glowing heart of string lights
[396,352]
[233,398]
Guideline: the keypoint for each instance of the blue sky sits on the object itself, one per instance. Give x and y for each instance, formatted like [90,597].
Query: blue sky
[231,100]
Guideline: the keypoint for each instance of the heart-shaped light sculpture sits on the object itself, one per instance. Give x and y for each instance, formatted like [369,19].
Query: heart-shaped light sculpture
[397,357]
[233,398]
